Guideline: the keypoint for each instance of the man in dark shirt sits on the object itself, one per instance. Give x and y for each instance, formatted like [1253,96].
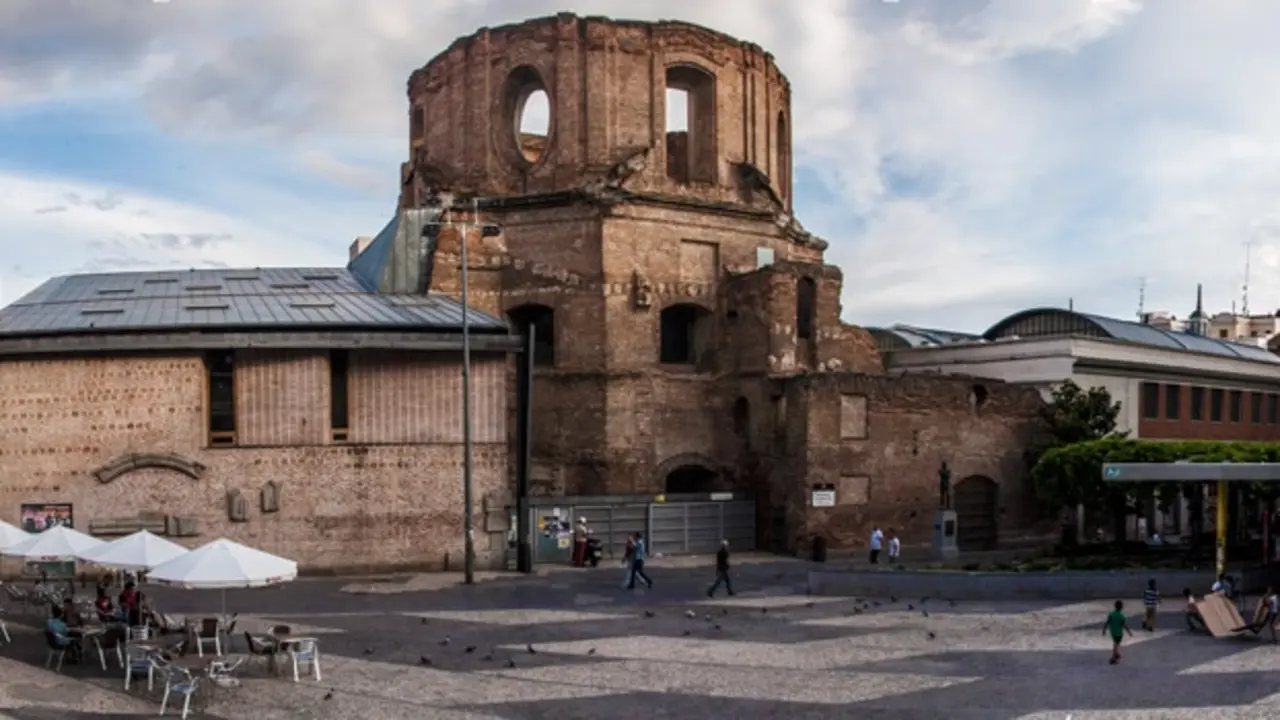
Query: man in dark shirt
[722,570]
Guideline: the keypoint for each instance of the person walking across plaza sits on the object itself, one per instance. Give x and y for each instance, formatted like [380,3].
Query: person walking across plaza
[895,547]
[628,556]
[1116,626]
[722,570]
[877,540]
[1150,603]
[637,565]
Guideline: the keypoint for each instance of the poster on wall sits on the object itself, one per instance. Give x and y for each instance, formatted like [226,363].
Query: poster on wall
[38,517]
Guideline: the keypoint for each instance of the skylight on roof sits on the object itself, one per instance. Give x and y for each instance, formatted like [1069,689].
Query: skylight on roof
[159,281]
[241,278]
[102,311]
[207,307]
[203,288]
[116,291]
[290,286]
[324,276]
[311,305]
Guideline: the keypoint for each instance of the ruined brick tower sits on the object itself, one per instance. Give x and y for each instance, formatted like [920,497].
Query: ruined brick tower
[671,288]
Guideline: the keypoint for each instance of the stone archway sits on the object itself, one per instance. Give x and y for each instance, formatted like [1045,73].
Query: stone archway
[689,473]
[976,503]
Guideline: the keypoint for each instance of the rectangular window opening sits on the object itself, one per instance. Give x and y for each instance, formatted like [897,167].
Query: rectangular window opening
[1172,402]
[339,419]
[1150,400]
[1255,408]
[221,369]
[1216,398]
[1237,406]
[1197,404]
[1273,409]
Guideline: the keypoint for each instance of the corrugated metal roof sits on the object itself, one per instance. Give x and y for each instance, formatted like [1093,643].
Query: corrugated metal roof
[266,298]
[1129,331]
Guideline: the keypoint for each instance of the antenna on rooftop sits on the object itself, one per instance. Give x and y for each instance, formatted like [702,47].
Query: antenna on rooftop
[1142,298]
[1248,258]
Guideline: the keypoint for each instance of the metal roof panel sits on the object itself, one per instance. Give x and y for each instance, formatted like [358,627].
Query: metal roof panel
[240,298]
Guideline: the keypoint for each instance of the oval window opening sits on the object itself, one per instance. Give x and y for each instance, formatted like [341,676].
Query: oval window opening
[534,125]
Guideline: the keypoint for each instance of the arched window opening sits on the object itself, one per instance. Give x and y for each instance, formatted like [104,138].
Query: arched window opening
[690,124]
[688,479]
[806,307]
[527,108]
[782,173]
[543,320]
[683,335]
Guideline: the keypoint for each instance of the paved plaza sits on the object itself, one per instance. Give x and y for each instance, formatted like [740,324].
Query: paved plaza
[574,646]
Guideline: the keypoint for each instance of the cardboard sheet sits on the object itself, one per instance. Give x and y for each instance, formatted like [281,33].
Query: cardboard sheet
[1220,616]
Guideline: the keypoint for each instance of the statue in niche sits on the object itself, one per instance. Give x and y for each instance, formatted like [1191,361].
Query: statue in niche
[642,291]
[270,497]
[237,506]
[944,487]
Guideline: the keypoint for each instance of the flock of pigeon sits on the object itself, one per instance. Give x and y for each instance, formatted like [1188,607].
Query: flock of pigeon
[860,605]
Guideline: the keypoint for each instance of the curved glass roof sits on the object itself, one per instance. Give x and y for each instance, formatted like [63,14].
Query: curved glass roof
[900,337]
[1056,322]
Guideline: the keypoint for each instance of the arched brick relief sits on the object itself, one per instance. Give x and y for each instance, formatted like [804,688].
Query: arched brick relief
[522,82]
[126,464]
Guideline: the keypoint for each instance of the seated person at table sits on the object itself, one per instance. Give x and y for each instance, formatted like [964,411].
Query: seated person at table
[43,587]
[1194,621]
[102,603]
[59,633]
[128,599]
[70,615]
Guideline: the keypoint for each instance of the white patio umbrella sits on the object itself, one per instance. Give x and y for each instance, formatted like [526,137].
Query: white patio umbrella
[139,552]
[222,565]
[57,544]
[11,535]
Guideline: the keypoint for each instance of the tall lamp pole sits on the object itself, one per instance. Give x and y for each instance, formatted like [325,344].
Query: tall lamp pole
[469,548]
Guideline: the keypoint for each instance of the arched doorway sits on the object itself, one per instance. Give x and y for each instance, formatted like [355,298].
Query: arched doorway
[976,500]
[691,479]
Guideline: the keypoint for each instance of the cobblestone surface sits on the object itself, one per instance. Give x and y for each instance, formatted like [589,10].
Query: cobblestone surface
[599,652]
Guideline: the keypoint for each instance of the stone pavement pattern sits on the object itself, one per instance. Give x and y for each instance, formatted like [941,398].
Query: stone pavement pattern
[599,653]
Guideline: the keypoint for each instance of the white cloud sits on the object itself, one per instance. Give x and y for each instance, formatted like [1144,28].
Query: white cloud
[1057,149]
[81,227]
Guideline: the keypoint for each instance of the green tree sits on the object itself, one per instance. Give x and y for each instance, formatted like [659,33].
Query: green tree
[1075,415]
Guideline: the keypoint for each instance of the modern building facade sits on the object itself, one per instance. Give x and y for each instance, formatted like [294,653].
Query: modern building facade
[1171,384]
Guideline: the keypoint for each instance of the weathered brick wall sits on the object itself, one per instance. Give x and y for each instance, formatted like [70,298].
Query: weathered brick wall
[355,505]
[282,397]
[609,417]
[895,439]
[606,82]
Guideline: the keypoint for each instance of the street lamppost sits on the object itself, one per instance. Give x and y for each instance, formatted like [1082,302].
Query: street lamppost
[463,229]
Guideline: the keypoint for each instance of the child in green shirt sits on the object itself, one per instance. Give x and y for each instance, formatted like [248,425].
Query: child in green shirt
[1116,626]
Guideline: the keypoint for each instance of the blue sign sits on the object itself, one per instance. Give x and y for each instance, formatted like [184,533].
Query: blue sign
[1111,472]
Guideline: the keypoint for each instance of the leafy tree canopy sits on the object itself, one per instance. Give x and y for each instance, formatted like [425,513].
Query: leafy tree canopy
[1074,414]
[1072,474]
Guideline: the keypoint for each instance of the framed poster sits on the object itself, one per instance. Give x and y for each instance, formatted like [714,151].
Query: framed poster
[38,517]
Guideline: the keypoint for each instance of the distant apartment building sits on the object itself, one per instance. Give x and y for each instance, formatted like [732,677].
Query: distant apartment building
[1262,330]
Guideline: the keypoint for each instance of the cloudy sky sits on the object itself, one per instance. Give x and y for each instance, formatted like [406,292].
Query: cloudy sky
[965,158]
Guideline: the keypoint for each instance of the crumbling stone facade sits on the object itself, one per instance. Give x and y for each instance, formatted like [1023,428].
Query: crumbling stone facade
[690,330]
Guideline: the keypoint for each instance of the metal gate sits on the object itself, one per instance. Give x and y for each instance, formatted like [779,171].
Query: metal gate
[677,525]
